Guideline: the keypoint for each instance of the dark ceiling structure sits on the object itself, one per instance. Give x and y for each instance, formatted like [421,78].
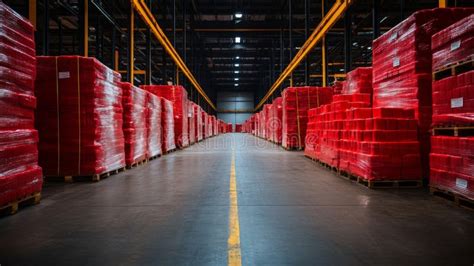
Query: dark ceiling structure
[229,45]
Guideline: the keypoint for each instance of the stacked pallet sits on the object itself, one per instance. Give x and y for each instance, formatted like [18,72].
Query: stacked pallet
[295,104]
[20,175]
[358,80]
[402,67]
[274,125]
[191,123]
[135,128]
[266,112]
[155,126]
[452,143]
[197,110]
[167,122]
[79,117]
[179,97]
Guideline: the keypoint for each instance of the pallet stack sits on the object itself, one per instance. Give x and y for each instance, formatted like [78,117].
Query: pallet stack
[20,176]
[402,68]
[135,127]
[358,80]
[198,121]
[155,130]
[80,117]
[167,122]
[274,125]
[191,123]
[295,104]
[452,143]
[179,97]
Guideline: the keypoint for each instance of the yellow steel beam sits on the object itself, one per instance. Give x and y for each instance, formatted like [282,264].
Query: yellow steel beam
[338,75]
[142,9]
[336,12]
[135,72]
[442,3]
[32,12]
[86,28]
[132,45]
[116,66]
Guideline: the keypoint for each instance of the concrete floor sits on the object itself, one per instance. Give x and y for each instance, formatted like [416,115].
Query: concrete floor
[175,211]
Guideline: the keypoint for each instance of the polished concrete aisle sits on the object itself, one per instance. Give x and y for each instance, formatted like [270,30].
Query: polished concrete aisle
[175,211]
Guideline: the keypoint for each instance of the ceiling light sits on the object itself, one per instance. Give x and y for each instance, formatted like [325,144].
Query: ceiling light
[238,15]
[236,65]
[236,72]
[382,20]
[237,57]
[237,39]
[236,79]
[236,85]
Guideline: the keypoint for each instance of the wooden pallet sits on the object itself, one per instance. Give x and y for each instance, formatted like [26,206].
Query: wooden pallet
[347,175]
[135,164]
[94,178]
[454,69]
[293,148]
[455,198]
[168,152]
[154,157]
[12,207]
[455,131]
[390,183]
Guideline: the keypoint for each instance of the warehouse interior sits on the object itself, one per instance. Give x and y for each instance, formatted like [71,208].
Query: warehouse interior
[213,132]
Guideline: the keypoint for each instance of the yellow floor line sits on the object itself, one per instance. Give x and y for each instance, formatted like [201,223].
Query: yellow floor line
[234,256]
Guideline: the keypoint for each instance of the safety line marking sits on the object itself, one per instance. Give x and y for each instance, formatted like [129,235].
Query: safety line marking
[234,256]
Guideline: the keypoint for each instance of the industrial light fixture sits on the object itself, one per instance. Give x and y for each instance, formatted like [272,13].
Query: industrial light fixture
[236,65]
[236,85]
[238,15]
[236,79]
[237,39]
[236,72]
[382,20]
[237,57]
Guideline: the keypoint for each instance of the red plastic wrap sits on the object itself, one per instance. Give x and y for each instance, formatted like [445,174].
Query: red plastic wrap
[20,174]
[179,97]
[358,80]
[135,128]
[296,103]
[215,126]
[453,100]
[191,123]
[167,125]
[453,44]
[205,125]
[452,164]
[154,126]
[79,116]
[275,120]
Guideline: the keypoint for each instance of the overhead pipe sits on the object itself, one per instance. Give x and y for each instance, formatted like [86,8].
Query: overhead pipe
[145,13]
[334,14]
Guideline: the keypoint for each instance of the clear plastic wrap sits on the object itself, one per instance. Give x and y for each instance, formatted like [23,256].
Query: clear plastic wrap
[167,124]
[191,123]
[453,100]
[79,116]
[135,129]
[452,164]
[358,80]
[296,103]
[154,126]
[179,97]
[453,44]
[198,121]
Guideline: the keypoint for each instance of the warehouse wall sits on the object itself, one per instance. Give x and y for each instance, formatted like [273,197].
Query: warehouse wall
[242,103]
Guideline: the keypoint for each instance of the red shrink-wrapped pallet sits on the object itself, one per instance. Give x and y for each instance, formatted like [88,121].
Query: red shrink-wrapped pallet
[20,175]
[358,80]
[238,128]
[80,116]
[454,44]
[267,118]
[154,126]
[191,123]
[452,165]
[215,126]
[197,110]
[205,125]
[179,97]
[135,128]
[275,123]
[296,103]
[167,125]
[402,67]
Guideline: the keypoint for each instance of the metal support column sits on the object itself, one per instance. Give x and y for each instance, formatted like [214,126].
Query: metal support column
[98,35]
[148,73]
[83,27]
[306,35]
[185,30]
[376,19]
[290,31]
[45,34]
[175,69]
[60,36]
[32,12]
[402,10]
[348,40]
[114,44]
[442,4]
[324,65]
[131,47]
